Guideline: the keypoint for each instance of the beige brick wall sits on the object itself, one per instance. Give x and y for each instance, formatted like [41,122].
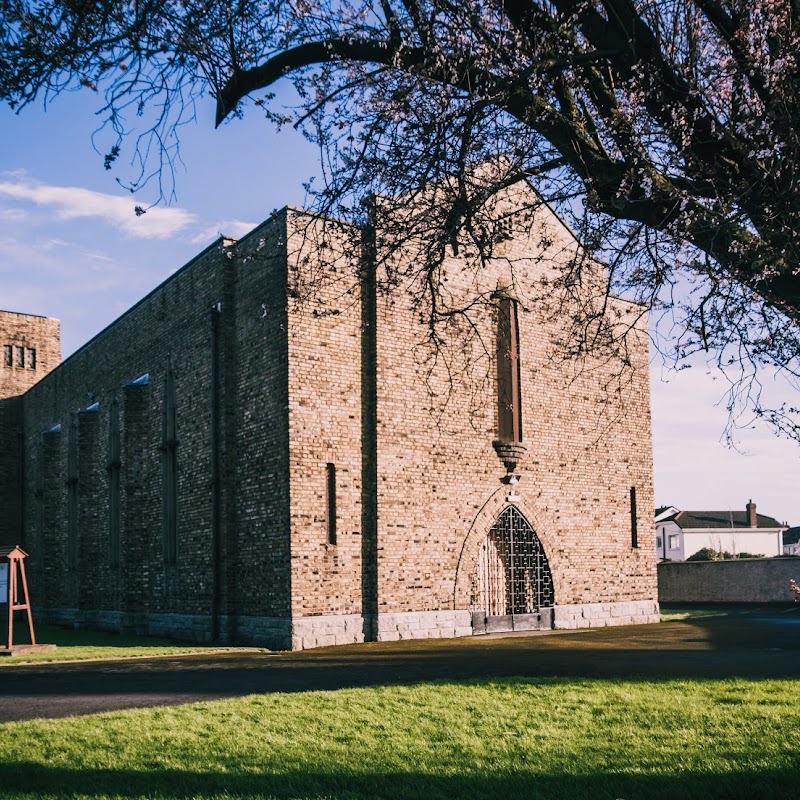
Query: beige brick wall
[586,429]
[325,417]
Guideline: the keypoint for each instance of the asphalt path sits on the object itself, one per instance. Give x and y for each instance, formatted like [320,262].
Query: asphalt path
[742,643]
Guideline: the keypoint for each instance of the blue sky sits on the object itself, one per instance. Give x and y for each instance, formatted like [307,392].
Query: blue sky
[71,247]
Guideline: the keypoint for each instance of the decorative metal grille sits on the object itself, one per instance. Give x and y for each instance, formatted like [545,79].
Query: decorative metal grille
[512,577]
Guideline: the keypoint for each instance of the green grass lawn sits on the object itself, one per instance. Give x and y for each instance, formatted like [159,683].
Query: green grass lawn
[78,645]
[506,739]
[679,613]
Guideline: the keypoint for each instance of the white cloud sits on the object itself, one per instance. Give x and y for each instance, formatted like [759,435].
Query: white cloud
[13,215]
[73,202]
[232,228]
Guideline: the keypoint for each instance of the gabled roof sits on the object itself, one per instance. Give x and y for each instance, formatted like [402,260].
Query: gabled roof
[722,519]
[666,513]
[791,535]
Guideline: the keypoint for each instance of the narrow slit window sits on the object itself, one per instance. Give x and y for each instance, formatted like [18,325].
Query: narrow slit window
[30,358]
[20,356]
[114,465]
[634,524]
[509,396]
[72,496]
[169,463]
[8,355]
[330,501]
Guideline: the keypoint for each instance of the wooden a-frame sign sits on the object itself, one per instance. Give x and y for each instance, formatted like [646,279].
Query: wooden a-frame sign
[14,589]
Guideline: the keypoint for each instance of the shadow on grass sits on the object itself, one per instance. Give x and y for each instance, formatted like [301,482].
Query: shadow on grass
[761,644]
[69,637]
[36,779]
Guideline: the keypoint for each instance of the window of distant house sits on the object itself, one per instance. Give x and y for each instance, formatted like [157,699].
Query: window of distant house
[658,542]
[509,398]
[673,541]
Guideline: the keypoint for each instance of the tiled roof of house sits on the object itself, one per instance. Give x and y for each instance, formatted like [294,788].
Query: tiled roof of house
[721,519]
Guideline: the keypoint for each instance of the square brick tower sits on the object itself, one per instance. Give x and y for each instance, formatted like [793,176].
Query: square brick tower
[30,347]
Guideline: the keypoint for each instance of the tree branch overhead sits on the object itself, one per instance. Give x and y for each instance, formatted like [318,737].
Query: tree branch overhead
[665,131]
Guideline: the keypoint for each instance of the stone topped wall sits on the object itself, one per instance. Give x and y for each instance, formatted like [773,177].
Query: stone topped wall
[743,580]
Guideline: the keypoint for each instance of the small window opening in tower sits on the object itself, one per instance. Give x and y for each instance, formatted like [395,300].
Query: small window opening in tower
[8,355]
[634,523]
[20,356]
[30,357]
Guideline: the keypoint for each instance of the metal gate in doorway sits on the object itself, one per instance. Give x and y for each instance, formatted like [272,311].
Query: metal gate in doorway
[512,588]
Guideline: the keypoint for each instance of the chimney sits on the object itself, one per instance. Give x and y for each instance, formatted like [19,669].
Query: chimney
[752,519]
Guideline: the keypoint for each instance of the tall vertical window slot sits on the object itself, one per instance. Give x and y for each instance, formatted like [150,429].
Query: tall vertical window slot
[20,359]
[72,495]
[509,397]
[330,501]
[8,355]
[634,524]
[169,463]
[30,357]
[114,465]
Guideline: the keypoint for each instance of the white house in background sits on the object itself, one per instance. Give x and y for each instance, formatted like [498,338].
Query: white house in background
[680,534]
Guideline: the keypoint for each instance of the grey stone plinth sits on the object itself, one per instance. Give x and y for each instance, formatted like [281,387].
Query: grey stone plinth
[600,615]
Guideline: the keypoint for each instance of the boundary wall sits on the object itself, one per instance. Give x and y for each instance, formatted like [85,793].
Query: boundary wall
[745,580]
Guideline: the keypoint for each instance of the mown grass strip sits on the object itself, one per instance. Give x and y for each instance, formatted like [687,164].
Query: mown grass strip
[513,738]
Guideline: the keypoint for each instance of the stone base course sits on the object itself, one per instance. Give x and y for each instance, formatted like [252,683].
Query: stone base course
[424,625]
[323,631]
[601,615]
[327,630]
[303,633]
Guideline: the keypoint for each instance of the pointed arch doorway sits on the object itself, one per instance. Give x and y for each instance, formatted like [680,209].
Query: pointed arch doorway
[512,587]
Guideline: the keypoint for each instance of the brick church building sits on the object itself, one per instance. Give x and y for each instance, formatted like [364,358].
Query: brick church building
[242,458]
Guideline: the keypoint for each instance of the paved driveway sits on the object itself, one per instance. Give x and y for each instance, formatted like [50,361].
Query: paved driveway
[745,642]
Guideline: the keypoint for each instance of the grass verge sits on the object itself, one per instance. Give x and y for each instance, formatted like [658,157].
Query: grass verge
[79,645]
[679,613]
[513,738]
